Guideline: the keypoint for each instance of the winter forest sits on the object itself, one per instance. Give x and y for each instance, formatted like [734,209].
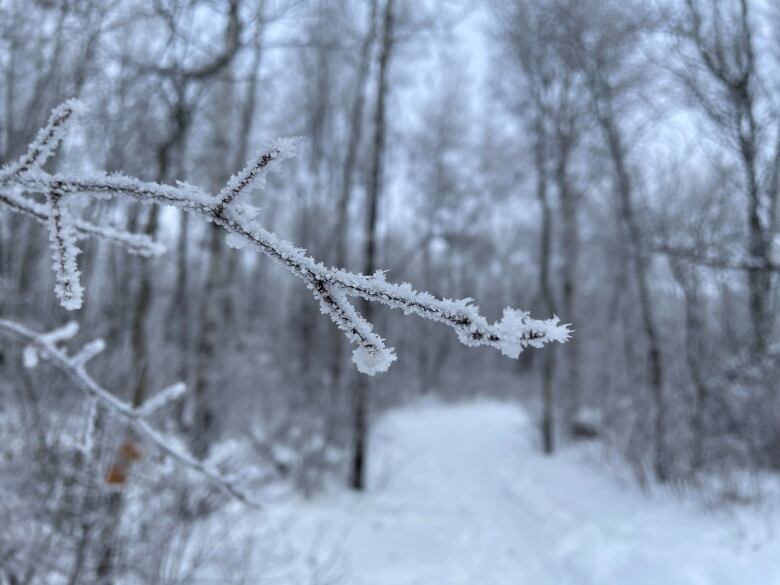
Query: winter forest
[389,292]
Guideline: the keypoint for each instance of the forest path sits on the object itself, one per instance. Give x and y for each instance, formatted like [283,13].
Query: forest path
[460,495]
[447,501]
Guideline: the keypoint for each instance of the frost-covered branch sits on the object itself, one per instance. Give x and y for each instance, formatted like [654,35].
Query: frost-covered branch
[39,151]
[330,286]
[63,251]
[89,351]
[46,141]
[162,399]
[256,171]
[44,345]
[87,439]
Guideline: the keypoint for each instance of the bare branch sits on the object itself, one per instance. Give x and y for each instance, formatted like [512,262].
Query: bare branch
[702,258]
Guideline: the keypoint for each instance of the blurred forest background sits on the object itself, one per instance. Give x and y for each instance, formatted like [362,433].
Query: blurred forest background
[614,162]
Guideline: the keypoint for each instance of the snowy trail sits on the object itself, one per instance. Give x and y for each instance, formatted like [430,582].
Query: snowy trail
[460,496]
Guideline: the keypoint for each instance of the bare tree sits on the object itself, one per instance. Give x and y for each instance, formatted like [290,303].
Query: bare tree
[721,73]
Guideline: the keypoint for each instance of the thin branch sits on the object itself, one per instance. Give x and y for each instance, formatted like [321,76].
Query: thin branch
[162,399]
[256,171]
[45,142]
[721,263]
[63,251]
[139,244]
[74,370]
[89,351]
[87,439]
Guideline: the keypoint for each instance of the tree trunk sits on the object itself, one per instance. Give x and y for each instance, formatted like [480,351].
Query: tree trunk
[203,424]
[247,118]
[570,245]
[357,479]
[694,353]
[640,262]
[139,349]
[545,245]
[759,281]
[350,162]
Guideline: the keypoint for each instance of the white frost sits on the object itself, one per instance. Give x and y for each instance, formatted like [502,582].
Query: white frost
[330,286]
[29,357]
[372,362]
[62,239]
[235,241]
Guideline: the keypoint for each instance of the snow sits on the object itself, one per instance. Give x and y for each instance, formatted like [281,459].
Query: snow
[460,495]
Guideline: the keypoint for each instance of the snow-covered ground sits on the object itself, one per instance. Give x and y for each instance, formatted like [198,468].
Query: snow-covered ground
[461,496]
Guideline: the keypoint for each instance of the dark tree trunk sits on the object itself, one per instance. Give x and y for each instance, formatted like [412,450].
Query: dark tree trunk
[641,264]
[357,480]
[570,245]
[347,179]
[545,245]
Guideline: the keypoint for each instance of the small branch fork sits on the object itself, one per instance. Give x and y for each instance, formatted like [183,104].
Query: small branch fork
[331,287]
[44,345]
